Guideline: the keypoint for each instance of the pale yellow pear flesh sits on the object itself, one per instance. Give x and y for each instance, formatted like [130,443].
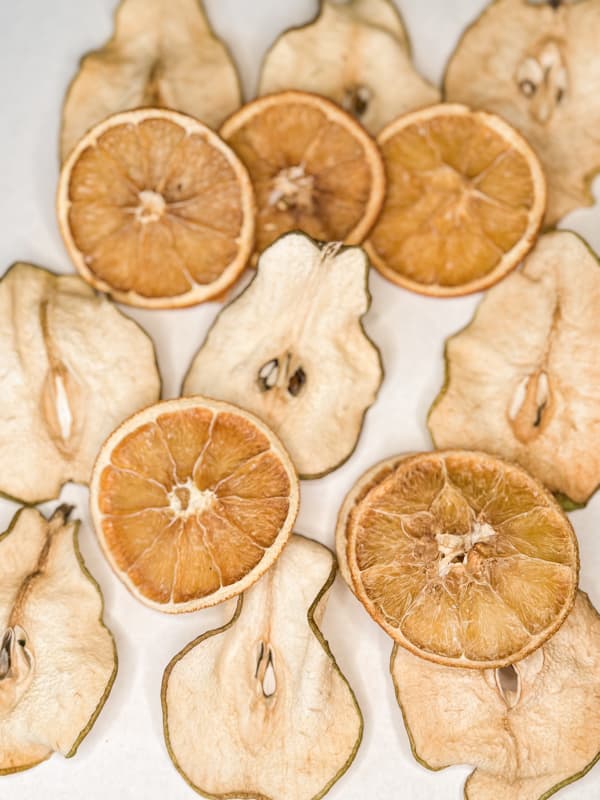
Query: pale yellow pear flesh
[259,708]
[57,659]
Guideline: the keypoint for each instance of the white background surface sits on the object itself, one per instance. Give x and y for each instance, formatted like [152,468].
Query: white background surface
[124,756]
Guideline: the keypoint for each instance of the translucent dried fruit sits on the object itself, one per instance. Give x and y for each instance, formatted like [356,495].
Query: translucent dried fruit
[313,167]
[73,368]
[156,210]
[291,349]
[463,559]
[523,378]
[465,200]
[163,53]
[192,501]
[529,729]
[364,484]
[348,54]
[536,65]
[57,659]
[259,708]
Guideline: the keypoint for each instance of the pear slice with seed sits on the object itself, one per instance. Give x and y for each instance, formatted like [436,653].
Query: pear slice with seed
[535,64]
[259,708]
[523,378]
[349,54]
[292,350]
[57,659]
[529,729]
[74,367]
[164,54]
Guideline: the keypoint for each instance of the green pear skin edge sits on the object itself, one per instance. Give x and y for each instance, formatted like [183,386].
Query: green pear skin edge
[563,500]
[215,632]
[113,676]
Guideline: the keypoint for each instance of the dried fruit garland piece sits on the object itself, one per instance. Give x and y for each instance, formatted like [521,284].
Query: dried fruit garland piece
[313,167]
[291,349]
[463,559]
[163,53]
[536,65]
[57,659]
[465,200]
[192,501]
[523,378]
[259,708]
[73,368]
[156,210]
[348,55]
[530,729]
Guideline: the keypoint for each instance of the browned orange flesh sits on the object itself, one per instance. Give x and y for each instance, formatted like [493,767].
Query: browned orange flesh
[463,558]
[461,196]
[190,503]
[313,168]
[194,237]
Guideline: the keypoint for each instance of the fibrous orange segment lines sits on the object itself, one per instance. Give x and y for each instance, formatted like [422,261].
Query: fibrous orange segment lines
[313,167]
[465,200]
[192,501]
[155,209]
[463,559]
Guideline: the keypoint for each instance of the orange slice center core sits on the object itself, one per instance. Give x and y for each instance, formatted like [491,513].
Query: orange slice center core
[457,188]
[457,550]
[293,188]
[151,208]
[187,500]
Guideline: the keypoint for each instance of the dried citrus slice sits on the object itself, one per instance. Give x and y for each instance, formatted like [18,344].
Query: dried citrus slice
[364,484]
[523,378]
[162,53]
[192,501]
[314,168]
[536,64]
[348,54]
[465,200]
[156,210]
[463,559]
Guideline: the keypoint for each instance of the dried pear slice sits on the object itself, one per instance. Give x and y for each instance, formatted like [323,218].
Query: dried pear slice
[57,658]
[523,378]
[462,558]
[348,54]
[259,708]
[163,53]
[530,729]
[536,65]
[292,350]
[73,367]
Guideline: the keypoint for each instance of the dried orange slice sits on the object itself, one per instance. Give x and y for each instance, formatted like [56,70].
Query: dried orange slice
[156,210]
[314,168]
[192,501]
[464,559]
[373,476]
[465,200]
